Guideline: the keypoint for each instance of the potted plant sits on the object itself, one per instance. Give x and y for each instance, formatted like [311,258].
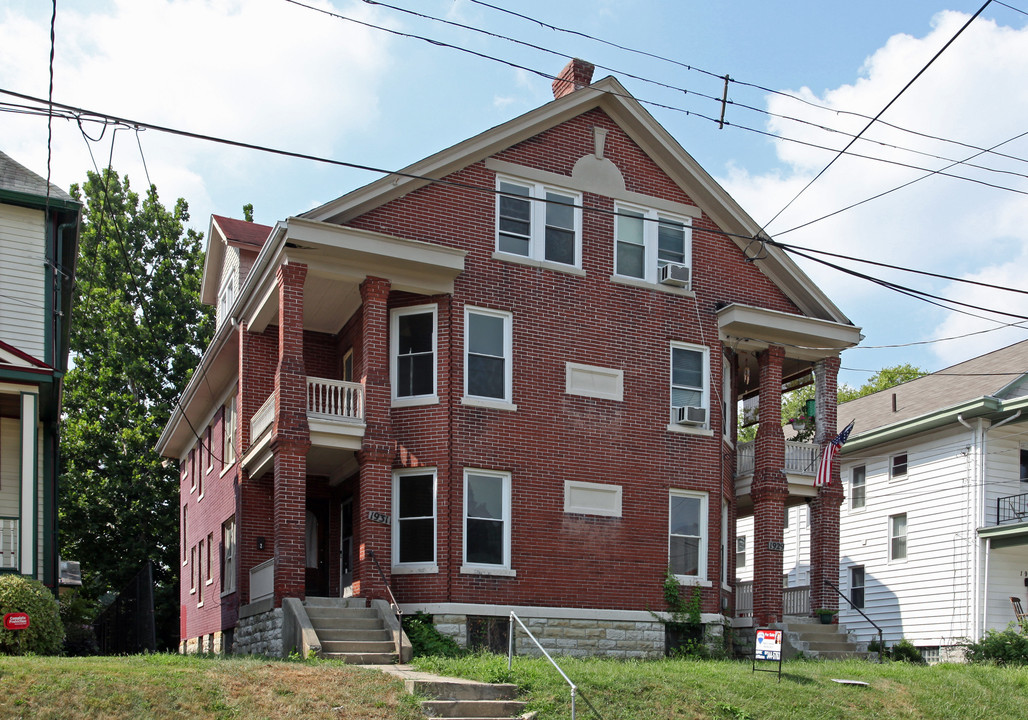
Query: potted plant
[826,615]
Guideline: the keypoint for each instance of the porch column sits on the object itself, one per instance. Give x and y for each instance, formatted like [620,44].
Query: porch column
[377,449]
[769,491]
[824,509]
[291,438]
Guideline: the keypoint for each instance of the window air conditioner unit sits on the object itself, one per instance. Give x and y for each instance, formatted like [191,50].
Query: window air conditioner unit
[675,274]
[690,415]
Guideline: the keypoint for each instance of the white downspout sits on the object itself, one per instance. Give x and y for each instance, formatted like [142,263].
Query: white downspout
[976,479]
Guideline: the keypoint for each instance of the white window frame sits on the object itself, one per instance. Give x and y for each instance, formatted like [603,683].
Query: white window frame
[705,390]
[893,536]
[394,344]
[348,366]
[506,402]
[893,475]
[862,586]
[740,551]
[192,570]
[536,199]
[861,487]
[651,220]
[199,574]
[228,556]
[702,560]
[185,533]
[228,434]
[502,568]
[414,567]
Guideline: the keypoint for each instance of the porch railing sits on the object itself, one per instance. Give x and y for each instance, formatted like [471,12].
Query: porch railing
[261,419]
[1012,509]
[800,458]
[335,399]
[10,534]
[262,580]
[795,600]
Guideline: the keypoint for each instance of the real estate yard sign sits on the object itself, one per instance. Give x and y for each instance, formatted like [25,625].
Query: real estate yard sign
[768,648]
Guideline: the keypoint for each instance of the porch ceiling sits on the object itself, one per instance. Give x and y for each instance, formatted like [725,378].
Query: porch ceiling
[338,260]
[749,328]
[1001,536]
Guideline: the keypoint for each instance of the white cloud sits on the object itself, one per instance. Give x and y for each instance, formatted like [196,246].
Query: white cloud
[260,71]
[973,93]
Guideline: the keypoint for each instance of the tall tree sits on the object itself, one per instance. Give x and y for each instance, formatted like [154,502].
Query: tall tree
[138,329]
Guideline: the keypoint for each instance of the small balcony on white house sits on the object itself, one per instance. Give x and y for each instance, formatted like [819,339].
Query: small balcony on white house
[801,461]
[335,416]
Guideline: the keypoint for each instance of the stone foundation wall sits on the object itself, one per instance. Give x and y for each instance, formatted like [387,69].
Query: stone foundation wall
[212,643]
[574,637]
[259,633]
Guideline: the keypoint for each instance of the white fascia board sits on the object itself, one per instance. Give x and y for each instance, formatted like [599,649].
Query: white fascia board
[807,338]
[214,259]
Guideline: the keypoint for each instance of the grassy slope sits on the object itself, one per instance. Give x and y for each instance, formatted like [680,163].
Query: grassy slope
[172,686]
[731,690]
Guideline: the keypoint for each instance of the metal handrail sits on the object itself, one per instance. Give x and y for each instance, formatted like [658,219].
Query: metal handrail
[881,644]
[392,600]
[510,661]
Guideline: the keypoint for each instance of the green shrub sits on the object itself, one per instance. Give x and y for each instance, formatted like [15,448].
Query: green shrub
[45,634]
[426,640]
[1007,647]
[904,651]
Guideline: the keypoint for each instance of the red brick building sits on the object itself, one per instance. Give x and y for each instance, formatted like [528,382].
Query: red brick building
[512,386]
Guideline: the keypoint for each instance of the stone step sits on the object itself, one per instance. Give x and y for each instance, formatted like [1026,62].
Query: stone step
[316,611]
[362,658]
[356,603]
[356,646]
[374,635]
[457,690]
[332,623]
[472,708]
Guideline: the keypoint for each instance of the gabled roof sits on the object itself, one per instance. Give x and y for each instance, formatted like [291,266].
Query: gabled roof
[997,376]
[242,232]
[227,231]
[17,179]
[13,358]
[612,98]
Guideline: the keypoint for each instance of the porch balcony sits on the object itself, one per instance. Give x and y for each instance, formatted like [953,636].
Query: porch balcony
[801,461]
[1012,509]
[335,415]
[795,601]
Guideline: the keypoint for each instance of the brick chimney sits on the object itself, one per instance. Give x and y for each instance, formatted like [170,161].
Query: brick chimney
[576,75]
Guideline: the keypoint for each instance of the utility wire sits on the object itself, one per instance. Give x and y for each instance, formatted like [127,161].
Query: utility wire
[882,111]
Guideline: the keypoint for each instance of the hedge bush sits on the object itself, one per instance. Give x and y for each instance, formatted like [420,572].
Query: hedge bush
[425,639]
[45,634]
[1007,647]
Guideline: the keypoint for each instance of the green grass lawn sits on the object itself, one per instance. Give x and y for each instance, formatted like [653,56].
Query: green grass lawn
[730,690]
[174,686]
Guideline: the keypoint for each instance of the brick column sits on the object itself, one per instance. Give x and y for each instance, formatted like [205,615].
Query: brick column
[769,491]
[291,438]
[824,510]
[377,448]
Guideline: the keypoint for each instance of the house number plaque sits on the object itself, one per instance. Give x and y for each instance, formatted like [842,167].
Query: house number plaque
[378,517]
[776,546]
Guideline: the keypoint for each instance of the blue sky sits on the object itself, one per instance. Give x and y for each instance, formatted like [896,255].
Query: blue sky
[273,73]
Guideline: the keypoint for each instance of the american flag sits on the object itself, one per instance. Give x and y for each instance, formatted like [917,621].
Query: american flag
[824,470]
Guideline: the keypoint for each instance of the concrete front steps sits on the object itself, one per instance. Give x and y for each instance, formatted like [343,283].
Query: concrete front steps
[817,641]
[457,699]
[350,631]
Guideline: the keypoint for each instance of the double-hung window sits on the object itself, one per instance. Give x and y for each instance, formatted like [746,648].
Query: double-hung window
[228,450]
[646,241]
[857,586]
[690,382]
[228,556]
[858,487]
[538,222]
[413,357]
[687,542]
[898,537]
[740,551]
[487,354]
[486,520]
[898,466]
[414,519]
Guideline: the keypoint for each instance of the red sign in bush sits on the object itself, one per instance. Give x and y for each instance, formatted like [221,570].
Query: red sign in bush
[16,621]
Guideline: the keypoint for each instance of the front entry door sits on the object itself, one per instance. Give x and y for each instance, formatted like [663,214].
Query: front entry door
[346,548]
[317,548]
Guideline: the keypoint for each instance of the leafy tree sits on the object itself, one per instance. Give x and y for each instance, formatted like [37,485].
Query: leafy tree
[138,329]
[794,403]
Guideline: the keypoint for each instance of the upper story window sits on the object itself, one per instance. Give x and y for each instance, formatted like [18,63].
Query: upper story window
[228,449]
[898,537]
[898,466]
[413,357]
[740,551]
[690,382]
[538,222]
[647,241]
[226,296]
[858,487]
[487,354]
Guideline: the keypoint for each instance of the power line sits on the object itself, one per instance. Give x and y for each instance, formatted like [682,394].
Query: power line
[882,111]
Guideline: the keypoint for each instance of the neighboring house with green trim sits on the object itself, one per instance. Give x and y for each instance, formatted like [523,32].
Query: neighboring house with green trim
[38,246]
